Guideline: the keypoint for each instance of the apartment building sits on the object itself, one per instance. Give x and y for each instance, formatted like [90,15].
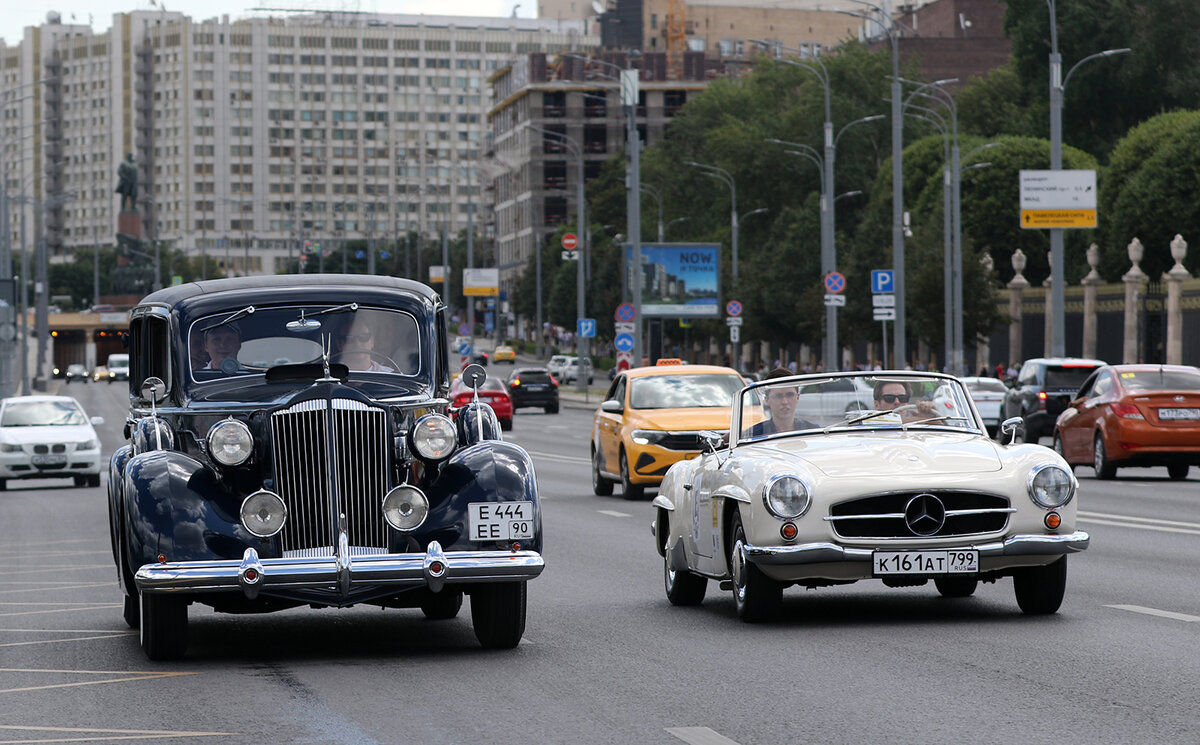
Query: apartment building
[255,137]
[535,186]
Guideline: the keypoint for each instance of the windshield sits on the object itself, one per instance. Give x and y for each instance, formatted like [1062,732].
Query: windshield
[1160,380]
[365,340]
[814,403]
[980,385]
[42,413]
[1067,378]
[701,390]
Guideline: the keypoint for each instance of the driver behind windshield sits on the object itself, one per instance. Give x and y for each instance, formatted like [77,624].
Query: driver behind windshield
[895,395]
[355,345]
[221,344]
[781,406]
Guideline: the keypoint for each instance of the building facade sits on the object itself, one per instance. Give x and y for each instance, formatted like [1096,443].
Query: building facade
[535,186]
[254,138]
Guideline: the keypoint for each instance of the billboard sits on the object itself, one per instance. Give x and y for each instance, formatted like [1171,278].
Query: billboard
[679,280]
[481,281]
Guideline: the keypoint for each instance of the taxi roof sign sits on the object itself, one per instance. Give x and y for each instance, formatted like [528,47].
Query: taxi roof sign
[668,361]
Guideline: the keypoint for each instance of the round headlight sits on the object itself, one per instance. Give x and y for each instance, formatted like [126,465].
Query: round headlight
[433,437]
[263,513]
[786,497]
[1051,486]
[405,508]
[230,442]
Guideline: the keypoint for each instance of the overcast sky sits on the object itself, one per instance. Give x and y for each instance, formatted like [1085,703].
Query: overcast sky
[15,15]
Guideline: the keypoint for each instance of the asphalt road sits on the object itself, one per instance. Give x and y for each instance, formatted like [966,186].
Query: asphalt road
[606,659]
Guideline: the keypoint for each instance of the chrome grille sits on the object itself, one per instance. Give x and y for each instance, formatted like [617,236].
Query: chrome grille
[882,515]
[307,439]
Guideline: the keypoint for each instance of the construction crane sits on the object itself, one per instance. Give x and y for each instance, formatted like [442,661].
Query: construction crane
[676,37]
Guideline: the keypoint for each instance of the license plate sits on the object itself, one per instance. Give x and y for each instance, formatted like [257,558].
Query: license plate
[926,562]
[1179,413]
[49,460]
[535,387]
[500,521]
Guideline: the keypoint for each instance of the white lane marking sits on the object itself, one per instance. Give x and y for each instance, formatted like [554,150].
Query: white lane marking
[112,635]
[614,513]
[699,736]
[1138,526]
[42,588]
[61,610]
[1134,518]
[98,735]
[122,676]
[47,570]
[560,458]
[1156,612]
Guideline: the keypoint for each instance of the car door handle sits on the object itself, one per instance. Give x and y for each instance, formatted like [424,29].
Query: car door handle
[688,487]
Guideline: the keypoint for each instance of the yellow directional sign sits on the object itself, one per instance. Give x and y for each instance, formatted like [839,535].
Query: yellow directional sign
[1058,218]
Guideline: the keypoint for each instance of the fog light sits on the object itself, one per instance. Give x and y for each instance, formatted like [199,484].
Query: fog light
[516,547]
[263,513]
[405,508]
[1053,520]
[788,531]
[436,568]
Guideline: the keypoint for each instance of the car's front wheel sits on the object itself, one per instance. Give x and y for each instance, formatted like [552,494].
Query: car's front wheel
[1040,590]
[498,614]
[442,606]
[601,486]
[757,596]
[956,587]
[1100,462]
[683,587]
[163,626]
[629,490]
[131,612]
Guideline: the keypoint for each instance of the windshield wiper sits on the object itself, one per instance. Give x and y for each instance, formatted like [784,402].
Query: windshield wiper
[938,418]
[867,414]
[247,311]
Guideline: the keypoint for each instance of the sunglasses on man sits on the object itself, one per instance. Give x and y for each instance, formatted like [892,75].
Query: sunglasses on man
[892,398]
[362,338]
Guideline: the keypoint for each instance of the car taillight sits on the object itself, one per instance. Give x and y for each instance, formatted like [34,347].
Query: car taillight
[1127,411]
[516,382]
[554,381]
[1041,399]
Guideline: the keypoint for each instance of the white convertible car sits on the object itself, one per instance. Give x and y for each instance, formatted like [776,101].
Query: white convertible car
[909,490]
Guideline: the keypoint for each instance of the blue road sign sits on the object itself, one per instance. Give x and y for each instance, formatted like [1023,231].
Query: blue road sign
[882,280]
[733,308]
[625,312]
[624,342]
[464,330]
[359,254]
[384,255]
[835,282]
[586,328]
[464,349]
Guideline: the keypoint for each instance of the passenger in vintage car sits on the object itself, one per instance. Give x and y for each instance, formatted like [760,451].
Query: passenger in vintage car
[222,343]
[781,407]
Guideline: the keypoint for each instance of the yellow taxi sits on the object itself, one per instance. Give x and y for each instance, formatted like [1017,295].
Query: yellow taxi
[652,417]
[504,353]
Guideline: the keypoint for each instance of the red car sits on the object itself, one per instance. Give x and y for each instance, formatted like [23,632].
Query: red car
[492,393]
[1133,415]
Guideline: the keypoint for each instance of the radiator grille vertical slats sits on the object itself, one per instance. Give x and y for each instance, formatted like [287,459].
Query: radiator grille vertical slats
[305,448]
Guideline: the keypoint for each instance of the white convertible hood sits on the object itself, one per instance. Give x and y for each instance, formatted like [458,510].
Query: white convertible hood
[898,454]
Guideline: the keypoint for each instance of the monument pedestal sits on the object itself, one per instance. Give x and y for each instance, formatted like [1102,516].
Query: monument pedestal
[129,222]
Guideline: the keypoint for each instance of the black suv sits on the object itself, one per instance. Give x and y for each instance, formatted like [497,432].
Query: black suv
[1043,389]
[533,386]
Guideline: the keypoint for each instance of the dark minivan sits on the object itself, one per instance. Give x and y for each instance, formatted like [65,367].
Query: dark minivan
[533,386]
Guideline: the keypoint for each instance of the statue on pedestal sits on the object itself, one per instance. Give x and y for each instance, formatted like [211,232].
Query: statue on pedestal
[127,186]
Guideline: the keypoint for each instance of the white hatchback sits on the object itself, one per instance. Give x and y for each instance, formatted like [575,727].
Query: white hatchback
[46,437]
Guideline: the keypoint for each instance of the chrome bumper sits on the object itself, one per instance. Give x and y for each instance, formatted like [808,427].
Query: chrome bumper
[823,553]
[252,575]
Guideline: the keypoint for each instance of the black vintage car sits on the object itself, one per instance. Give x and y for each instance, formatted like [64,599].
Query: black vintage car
[289,445]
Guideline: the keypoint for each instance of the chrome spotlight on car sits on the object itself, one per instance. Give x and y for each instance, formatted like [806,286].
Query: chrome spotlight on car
[263,513]
[405,508]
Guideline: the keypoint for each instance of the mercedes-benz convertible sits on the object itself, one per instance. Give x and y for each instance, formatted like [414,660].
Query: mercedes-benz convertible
[905,489]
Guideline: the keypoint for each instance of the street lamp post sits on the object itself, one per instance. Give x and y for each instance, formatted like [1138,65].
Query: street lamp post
[727,178]
[657,195]
[580,305]
[1058,88]
[628,82]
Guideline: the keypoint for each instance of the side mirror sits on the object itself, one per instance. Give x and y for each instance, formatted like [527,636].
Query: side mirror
[1012,428]
[97,421]
[612,406]
[154,390]
[712,441]
[473,376]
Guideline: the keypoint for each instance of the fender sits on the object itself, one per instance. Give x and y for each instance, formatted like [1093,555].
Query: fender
[477,422]
[491,471]
[178,508]
[116,514]
[152,433]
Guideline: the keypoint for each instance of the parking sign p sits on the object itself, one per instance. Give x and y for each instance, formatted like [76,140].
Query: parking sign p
[882,280]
